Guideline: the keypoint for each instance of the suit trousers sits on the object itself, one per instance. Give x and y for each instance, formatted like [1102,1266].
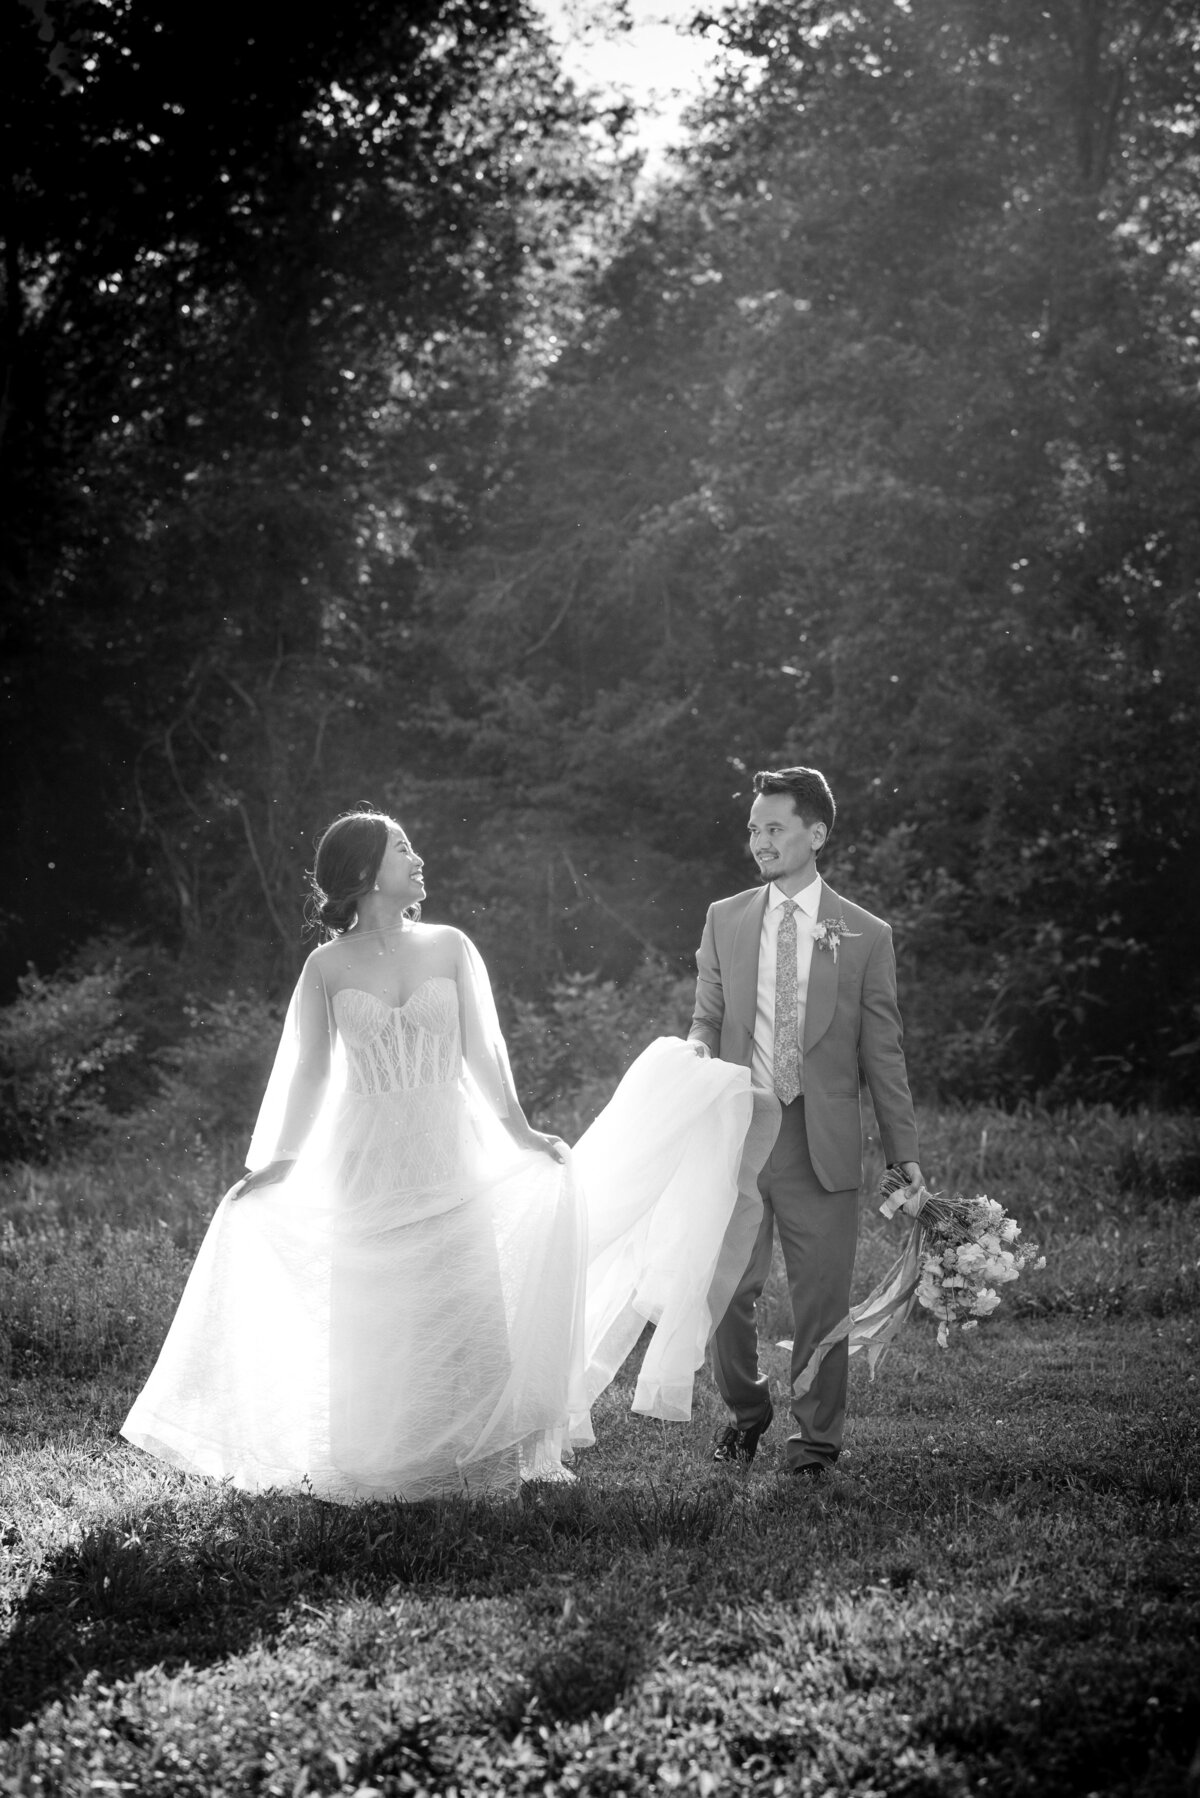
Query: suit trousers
[818,1232]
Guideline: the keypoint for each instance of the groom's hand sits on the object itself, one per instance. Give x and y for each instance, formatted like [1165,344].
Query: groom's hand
[915,1178]
[699,1048]
[916,1183]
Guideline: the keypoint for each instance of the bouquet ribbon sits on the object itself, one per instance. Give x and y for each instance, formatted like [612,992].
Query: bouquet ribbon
[873,1325]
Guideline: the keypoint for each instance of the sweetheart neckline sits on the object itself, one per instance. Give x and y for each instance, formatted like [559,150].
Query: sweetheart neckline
[382,1003]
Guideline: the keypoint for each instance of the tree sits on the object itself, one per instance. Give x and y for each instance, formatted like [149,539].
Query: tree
[267,294]
[880,451]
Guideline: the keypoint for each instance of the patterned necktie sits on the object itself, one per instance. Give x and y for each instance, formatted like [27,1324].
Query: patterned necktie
[787,1008]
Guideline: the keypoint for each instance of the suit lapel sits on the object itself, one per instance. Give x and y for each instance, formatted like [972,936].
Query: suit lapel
[742,994]
[822,977]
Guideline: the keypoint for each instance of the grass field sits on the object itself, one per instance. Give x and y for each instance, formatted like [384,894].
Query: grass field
[998,1591]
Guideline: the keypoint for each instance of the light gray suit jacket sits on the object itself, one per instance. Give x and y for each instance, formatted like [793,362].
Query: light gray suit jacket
[851,1021]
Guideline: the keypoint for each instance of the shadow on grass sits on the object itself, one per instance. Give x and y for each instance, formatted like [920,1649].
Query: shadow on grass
[198,1579]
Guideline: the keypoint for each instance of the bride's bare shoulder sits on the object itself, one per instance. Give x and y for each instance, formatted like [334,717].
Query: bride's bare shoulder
[444,937]
[339,959]
[439,944]
[325,953]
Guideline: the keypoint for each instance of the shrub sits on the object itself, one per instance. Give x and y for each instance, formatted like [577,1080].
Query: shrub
[83,1045]
[127,1100]
[114,1045]
[210,1082]
[567,1059]
[58,1040]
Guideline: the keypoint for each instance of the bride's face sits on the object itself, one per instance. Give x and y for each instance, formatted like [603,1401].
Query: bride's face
[400,875]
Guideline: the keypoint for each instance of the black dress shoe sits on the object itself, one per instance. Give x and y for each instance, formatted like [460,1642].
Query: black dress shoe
[810,1470]
[739,1446]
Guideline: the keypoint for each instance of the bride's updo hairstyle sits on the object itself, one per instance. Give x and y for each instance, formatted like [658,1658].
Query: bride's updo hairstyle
[349,854]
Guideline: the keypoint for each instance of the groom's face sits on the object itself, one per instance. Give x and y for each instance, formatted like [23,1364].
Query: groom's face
[782,844]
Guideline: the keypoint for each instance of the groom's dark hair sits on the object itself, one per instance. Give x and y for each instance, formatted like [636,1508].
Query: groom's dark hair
[809,790]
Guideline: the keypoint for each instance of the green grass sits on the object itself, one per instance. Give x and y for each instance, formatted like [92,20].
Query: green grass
[998,1590]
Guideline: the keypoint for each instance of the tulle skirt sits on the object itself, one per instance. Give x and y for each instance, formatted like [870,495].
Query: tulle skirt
[421,1309]
[401,1317]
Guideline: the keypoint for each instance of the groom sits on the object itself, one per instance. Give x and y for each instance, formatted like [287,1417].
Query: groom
[799,986]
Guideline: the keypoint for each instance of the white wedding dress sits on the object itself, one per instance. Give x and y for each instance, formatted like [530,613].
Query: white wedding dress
[404,1315]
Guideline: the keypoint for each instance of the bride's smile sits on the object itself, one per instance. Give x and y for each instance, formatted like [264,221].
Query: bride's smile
[399,882]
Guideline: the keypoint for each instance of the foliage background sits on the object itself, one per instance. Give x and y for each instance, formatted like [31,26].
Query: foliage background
[368,431]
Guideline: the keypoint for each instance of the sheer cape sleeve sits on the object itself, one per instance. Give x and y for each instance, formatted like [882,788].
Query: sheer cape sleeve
[484,1053]
[308,1074]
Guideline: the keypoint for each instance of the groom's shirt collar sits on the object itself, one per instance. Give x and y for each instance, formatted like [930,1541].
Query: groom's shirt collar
[808,898]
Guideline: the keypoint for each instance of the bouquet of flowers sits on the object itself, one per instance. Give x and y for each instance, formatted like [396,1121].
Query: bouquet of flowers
[958,1252]
[967,1248]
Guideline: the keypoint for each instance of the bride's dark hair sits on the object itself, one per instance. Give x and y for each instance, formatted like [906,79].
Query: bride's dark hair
[349,853]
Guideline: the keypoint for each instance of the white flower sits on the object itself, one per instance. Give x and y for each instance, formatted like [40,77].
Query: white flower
[827,933]
[967,1251]
[999,1268]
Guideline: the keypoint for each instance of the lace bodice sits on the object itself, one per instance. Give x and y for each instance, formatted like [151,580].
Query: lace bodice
[392,1048]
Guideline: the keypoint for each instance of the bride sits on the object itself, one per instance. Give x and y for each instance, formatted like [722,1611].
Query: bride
[413,1291]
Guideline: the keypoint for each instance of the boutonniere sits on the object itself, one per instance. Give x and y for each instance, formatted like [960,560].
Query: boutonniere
[829,932]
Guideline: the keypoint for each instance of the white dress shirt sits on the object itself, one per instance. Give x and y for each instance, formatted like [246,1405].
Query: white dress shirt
[762,1061]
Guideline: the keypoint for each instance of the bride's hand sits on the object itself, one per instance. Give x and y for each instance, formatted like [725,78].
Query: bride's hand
[554,1146]
[270,1175]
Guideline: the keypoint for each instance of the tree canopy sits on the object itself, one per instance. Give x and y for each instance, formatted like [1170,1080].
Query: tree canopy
[265,295]
[371,439]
